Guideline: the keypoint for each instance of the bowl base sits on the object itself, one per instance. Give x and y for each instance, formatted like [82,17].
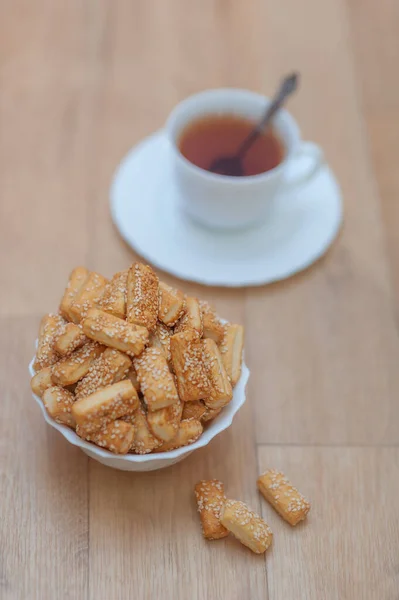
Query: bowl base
[132,466]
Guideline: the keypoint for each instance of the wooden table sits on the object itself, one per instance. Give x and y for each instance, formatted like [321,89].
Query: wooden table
[80,83]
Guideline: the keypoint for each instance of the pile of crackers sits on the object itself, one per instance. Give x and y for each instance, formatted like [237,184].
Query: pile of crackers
[133,365]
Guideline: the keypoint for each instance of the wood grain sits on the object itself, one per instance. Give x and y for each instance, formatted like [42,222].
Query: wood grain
[347,548]
[325,326]
[145,534]
[376,45]
[44,491]
[80,83]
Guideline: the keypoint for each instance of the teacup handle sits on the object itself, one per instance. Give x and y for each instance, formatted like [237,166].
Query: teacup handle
[313,151]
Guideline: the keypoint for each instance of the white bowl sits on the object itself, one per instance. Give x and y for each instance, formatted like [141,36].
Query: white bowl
[160,460]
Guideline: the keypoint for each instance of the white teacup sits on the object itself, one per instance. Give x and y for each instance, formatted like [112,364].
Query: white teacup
[224,202]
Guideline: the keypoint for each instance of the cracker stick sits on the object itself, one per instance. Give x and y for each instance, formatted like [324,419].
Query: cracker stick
[76,281]
[144,441]
[113,300]
[58,403]
[210,414]
[194,410]
[210,501]
[41,381]
[75,366]
[69,339]
[221,390]
[231,351]
[187,360]
[114,332]
[50,327]
[192,318]
[117,437]
[88,295]
[156,381]
[246,526]
[142,297]
[189,431]
[172,304]
[213,328]
[164,423]
[93,412]
[110,367]
[283,496]
[160,338]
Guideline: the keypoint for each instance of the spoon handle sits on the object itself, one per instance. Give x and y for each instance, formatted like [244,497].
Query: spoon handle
[287,87]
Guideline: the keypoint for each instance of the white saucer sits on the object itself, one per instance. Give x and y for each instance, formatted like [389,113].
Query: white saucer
[143,207]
